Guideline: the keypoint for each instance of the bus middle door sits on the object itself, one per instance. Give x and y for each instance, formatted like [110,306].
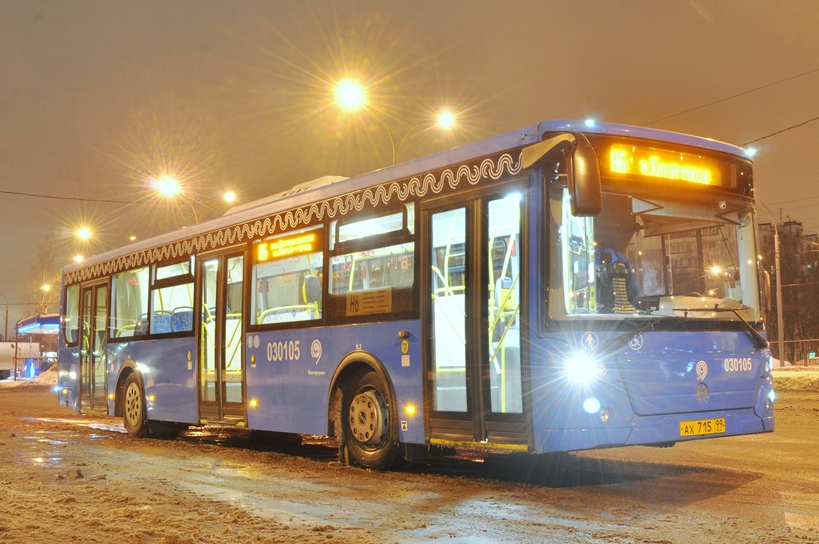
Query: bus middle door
[221,362]
[474,367]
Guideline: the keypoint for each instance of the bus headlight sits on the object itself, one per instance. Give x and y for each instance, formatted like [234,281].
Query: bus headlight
[582,369]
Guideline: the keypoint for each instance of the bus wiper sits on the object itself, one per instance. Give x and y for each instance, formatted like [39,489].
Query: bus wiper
[757,339]
[614,343]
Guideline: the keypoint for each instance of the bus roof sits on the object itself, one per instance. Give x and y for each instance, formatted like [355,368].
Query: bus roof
[329,186]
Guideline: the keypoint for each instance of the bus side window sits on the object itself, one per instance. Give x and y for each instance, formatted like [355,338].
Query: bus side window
[372,264]
[71,318]
[129,304]
[287,272]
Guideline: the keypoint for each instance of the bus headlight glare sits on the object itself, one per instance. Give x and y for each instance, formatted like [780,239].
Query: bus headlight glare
[582,369]
[771,395]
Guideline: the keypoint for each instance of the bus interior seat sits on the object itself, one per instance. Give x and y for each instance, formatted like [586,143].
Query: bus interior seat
[161,322]
[141,326]
[616,284]
[182,319]
[311,290]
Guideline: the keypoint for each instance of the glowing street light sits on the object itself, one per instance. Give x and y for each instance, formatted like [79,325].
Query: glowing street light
[83,233]
[445,120]
[170,188]
[351,96]
[167,186]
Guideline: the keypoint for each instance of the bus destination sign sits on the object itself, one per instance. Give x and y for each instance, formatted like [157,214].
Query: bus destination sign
[288,246]
[660,164]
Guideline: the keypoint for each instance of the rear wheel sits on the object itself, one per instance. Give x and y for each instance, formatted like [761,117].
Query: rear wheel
[133,407]
[369,428]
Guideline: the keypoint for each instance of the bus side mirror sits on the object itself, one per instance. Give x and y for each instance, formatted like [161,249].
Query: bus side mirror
[585,192]
[766,290]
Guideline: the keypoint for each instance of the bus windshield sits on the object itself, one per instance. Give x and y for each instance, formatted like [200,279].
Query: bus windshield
[646,257]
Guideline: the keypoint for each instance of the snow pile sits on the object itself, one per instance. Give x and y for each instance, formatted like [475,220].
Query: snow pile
[796,379]
[44,379]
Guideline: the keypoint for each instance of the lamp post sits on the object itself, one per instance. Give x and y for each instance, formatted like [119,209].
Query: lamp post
[6,335]
[351,96]
[780,321]
[170,188]
[46,290]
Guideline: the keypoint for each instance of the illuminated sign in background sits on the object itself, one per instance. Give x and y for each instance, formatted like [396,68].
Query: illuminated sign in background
[656,163]
[290,246]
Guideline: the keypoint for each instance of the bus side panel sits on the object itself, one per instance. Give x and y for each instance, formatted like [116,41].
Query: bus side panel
[68,371]
[289,374]
[168,368]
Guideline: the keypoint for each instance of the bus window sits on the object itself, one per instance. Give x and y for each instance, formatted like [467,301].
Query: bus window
[129,303]
[171,299]
[287,273]
[71,319]
[643,257]
[173,270]
[373,270]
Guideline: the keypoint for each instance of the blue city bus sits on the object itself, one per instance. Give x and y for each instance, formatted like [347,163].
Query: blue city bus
[563,287]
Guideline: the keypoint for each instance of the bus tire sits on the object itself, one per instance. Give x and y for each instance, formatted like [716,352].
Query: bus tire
[133,407]
[369,430]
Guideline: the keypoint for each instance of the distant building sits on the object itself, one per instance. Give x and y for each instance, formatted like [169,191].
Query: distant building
[799,259]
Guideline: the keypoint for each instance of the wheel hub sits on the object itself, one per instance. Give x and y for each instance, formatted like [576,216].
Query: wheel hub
[369,417]
[133,405]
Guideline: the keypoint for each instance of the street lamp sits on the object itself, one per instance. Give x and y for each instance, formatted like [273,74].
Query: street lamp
[445,121]
[170,188]
[46,290]
[351,96]
[85,235]
[6,335]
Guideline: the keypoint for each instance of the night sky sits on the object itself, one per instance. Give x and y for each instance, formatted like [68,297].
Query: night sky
[98,97]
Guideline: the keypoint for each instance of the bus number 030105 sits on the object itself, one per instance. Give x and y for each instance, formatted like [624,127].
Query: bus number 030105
[283,351]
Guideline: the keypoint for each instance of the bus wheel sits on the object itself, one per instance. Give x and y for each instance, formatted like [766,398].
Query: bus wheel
[368,427]
[133,404]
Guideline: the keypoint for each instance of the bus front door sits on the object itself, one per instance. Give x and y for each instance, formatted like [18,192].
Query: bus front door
[474,367]
[221,362]
[93,349]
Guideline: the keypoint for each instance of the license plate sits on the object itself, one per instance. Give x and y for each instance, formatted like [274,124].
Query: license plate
[702,426]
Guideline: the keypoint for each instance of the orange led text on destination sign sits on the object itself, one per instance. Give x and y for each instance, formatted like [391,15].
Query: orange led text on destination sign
[653,163]
[286,247]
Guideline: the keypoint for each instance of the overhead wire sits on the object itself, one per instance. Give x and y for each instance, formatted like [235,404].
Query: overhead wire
[733,96]
[781,131]
[78,199]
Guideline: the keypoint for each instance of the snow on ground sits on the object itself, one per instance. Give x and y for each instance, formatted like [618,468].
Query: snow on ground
[49,378]
[797,378]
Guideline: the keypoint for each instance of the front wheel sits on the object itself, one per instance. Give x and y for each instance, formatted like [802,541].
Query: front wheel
[133,408]
[369,428]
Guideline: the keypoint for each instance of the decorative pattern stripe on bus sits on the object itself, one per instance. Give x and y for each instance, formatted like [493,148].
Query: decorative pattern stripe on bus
[473,172]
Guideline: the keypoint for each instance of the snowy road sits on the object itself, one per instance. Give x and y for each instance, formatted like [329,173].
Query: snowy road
[70,478]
